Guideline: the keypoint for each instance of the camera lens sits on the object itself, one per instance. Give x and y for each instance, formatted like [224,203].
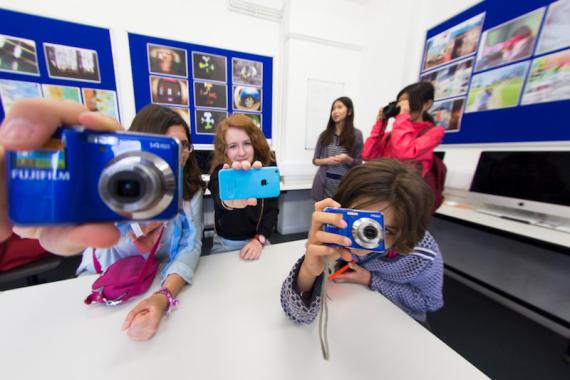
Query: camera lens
[128,189]
[370,232]
[137,185]
[367,233]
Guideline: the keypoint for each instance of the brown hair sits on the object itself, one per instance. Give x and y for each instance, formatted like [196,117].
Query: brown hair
[400,185]
[156,119]
[261,151]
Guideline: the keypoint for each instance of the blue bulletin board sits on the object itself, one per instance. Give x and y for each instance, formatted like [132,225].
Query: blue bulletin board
[202,83]
[501,73]
[43,57]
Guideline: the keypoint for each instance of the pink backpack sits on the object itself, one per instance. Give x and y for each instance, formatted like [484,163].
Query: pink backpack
[125,278]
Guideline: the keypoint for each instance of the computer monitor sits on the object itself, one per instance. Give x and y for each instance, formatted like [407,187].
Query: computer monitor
[532,182]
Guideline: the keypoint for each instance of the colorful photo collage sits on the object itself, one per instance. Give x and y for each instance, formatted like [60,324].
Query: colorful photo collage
[448,65]
[19,56]
[543,79]
[170,85]
[501,74]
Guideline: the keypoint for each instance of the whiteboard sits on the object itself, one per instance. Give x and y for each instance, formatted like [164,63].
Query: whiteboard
[320,95]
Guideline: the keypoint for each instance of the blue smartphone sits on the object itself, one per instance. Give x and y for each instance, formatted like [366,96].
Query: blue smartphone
[252,183]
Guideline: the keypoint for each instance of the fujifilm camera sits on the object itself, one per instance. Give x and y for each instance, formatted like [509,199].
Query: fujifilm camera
[83,176]
[391,110]
[364,228]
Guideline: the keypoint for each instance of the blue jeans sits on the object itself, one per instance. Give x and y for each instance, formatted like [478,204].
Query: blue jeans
[224,245]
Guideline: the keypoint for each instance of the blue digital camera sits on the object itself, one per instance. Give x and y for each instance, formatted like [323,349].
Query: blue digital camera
[83,176]
[364,228]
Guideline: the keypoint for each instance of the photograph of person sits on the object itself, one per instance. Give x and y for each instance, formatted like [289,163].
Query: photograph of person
[183,112]
[61,92]
[209,67]
[247,72]
[68,62]
[207,94]
[247,98]
[12,90]
[207,121]
[255,117]
[454,43]
[167,60]
[18,55]
[499,88]
[104,101]
[549,79]
[555,32]
[452,80]
[169,91]
[509,42]
[448,113]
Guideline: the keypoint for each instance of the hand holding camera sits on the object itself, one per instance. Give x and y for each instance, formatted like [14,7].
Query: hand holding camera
[322,244]
[29,125]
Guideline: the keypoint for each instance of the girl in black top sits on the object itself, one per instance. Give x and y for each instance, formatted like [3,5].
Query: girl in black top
[243,225]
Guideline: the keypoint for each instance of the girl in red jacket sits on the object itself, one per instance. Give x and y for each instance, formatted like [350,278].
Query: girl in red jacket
[414,135]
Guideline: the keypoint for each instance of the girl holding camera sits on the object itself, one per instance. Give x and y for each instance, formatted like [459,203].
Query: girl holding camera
[409,273]
[243,225]
[181,242]
[339,148]
[414,135]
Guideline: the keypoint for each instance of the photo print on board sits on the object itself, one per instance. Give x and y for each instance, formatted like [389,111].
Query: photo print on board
[255,117]
[68,62]
[209,67]
[13,90]
[207,121]
[452,80]
[104,101]
[167,60]
[454,43]
[249,73]
[209,94]
[555,32]
[56,92]
[448,113]
[18,55]
[549,79]
[247,98]
[511,41]
[169,91]
[499,88]
[184,112]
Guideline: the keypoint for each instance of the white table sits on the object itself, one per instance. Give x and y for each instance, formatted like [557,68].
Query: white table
[229,325]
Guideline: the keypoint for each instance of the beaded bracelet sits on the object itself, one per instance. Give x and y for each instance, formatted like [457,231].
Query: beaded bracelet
[172,302]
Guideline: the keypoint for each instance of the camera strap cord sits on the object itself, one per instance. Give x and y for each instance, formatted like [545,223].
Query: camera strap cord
[324,314]
[324,309]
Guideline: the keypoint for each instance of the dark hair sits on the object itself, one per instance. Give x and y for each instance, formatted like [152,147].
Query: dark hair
[261,150]
[419,94]
[156,119]
[347,134]
[398,184]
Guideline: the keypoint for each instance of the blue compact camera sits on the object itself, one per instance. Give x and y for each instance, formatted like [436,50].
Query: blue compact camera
[83,176]
[364,228]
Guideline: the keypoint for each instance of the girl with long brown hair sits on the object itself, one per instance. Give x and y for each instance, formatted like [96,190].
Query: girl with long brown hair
[243,225]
